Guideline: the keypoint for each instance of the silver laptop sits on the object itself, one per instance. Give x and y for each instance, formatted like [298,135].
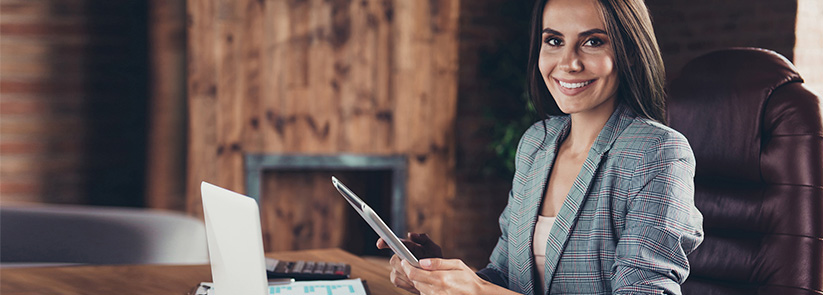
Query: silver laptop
[235,241]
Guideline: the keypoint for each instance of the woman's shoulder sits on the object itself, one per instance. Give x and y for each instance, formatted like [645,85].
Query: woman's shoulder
[552,126]
[543,131]
[652,140]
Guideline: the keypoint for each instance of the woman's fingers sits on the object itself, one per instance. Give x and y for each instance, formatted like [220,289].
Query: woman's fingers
[398,275]
[395,262]
[422,239]
[416,275]
[381,244]
[399,280]
[427,247]
[425,281]
[441,264]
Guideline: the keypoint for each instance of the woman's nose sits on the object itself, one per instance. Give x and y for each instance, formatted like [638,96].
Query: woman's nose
[570,61]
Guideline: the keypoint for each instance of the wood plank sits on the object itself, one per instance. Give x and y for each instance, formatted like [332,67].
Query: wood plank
[230,88]
[276,27]
[255,75]
[296,67]
[202,99]
[166,154]
[381,75]
[445,38]
[315,108]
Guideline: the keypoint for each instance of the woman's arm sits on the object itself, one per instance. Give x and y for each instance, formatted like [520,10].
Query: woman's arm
[662,223]
[497,270]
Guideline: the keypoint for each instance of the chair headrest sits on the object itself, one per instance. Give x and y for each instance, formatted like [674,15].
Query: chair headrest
[718,102]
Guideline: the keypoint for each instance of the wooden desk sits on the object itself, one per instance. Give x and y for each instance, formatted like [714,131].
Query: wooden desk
[163,279]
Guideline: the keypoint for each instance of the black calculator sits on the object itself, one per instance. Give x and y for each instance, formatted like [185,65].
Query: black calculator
[307,270]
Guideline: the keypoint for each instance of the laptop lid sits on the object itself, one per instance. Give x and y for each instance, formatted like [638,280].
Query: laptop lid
[235,241]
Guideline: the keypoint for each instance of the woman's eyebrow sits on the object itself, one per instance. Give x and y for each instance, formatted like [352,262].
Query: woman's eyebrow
[592,32]
[550,31]
[586,33]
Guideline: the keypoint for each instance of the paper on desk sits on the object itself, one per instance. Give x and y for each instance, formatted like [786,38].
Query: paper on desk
[336,287]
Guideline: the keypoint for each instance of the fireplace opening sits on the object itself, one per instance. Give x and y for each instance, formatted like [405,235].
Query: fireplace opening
[301,209]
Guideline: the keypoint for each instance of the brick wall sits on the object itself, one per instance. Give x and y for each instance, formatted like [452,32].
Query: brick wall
[72,101]
[686,29]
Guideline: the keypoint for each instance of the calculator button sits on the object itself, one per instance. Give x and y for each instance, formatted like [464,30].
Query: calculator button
[298,266]
[319,267]
[271,264]
[309,268]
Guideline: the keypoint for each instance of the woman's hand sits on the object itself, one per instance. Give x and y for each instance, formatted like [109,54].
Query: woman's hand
[421,246]
[448,276]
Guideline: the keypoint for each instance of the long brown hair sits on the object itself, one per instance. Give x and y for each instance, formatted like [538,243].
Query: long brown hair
[641,73]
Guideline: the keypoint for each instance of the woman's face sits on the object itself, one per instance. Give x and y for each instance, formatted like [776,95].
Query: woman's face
[576,57]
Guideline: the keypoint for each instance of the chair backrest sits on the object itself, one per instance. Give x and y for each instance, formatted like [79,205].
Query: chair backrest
[54,234]
[757,135]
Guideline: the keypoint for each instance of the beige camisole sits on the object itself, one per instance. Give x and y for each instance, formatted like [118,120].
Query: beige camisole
[541,238]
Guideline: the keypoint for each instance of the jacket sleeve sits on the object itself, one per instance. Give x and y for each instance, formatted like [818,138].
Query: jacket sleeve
[497,271]
[662,223]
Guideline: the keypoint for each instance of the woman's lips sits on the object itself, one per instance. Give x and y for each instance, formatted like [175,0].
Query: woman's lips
[572,87]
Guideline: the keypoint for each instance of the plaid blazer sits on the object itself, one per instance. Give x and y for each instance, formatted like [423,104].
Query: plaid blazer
[626,225]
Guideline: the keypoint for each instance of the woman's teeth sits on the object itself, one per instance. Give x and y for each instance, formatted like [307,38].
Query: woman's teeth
[574,85]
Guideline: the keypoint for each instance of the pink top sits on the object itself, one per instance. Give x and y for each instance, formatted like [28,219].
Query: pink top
[541,237]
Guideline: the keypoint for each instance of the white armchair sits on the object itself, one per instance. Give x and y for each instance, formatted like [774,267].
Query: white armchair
[61,234]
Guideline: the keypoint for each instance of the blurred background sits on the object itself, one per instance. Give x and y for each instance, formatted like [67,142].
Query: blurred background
[132,103]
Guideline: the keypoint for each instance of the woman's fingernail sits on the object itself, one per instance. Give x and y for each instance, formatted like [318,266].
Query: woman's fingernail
[425,263]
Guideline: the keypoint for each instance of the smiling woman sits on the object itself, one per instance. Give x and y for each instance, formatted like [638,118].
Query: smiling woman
[602,200]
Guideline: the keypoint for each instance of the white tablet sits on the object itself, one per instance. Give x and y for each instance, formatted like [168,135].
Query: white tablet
[376,223]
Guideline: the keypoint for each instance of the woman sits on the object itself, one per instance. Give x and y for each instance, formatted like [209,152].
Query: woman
[602,200]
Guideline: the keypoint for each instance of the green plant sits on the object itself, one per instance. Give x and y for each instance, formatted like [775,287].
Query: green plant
[506,134]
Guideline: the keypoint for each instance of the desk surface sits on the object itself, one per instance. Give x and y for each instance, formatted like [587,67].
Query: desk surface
[163,279]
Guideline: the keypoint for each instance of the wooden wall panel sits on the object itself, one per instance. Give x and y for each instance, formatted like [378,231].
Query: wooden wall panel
[325,77]
[166,154]
[202,98]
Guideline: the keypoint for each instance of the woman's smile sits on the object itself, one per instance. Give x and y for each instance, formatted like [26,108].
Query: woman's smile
[573,87]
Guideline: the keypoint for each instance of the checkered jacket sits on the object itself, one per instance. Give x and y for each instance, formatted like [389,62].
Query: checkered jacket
[628,221]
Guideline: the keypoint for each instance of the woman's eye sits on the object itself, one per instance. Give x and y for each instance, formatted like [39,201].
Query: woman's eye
[551,41]
[594,42]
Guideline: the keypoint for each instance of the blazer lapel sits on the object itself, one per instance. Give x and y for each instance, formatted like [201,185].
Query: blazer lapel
[570,210]
[525,218]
